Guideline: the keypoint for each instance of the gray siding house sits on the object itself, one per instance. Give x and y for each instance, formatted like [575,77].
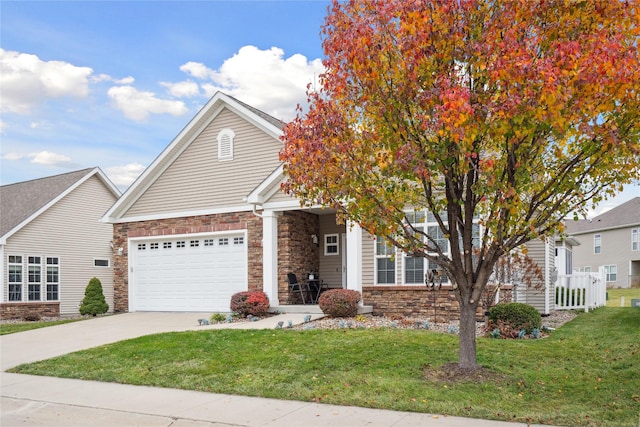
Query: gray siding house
[610,240]
[52,242]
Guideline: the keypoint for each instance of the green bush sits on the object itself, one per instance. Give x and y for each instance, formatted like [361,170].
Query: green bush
[217,318]
[254,303]
[93,302]
[339,302]
[516,316]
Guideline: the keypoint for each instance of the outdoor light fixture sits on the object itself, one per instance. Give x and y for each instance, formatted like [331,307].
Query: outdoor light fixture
[314,239]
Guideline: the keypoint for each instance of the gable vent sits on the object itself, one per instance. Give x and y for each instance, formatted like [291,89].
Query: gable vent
[225,144]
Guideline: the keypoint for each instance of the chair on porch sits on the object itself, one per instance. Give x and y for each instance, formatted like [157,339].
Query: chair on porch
[295,288]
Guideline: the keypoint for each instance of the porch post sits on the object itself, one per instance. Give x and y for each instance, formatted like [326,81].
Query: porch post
[354,257]
[270,256]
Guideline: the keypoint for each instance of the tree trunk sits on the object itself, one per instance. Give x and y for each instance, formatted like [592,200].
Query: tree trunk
[468,358]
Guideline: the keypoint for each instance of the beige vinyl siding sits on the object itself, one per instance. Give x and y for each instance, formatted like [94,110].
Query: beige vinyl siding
[197,180]
[536,297]
[368,265]
[331,266]
[280,196]
[71,231]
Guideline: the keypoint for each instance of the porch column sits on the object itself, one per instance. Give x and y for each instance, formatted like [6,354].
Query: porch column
[270,256]
[354,257]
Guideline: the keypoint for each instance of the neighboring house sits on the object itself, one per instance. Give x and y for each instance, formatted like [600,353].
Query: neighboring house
[52,242]
[612,241]
[208,218]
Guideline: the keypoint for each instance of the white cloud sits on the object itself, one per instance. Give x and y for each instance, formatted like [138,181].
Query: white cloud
[50,159]
[27,81]
[264,79]
[107,78]
[3,126]
[123,176]
[137,105]
[12,156]
[186,89]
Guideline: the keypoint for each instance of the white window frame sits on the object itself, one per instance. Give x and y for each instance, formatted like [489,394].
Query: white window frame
[331,242]
[52,267]
[587,269]
[609,273]
[35,284]
[388,253]
[597,243]
[20,271]
[225,144]
[635,239]
[95,260]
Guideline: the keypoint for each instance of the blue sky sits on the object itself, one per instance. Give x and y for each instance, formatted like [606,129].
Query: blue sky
[109,84]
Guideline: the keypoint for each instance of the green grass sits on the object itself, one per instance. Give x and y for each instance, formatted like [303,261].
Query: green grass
[627,293]
[586,373]
[12,328]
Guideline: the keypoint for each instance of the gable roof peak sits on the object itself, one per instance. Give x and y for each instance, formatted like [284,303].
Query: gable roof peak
[22,201]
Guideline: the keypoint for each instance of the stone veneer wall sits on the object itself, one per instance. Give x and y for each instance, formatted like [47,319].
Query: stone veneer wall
[409,301]
[186,225]
[18,310]
[296,252]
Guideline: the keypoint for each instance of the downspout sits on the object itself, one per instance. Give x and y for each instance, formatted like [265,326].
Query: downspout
[547,275]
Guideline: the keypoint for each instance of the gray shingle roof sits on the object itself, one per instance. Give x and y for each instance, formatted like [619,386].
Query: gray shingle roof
[276,122]
[626,214]
[21,200]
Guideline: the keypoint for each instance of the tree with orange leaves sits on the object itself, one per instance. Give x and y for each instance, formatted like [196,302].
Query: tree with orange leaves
[513,114]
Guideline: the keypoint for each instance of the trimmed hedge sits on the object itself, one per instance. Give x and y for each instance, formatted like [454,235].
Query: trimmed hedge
[516,315]
[254,303]
[339,302]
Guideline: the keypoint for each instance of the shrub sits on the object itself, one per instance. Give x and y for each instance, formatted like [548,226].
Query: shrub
[93,302]
[339,302]
[254,303]
[217,318]
[515,316]
[31,316]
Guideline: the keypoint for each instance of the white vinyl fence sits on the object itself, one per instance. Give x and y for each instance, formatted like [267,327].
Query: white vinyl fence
[581,291]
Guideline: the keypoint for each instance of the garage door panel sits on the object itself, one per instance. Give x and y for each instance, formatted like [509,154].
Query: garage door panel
[190,274]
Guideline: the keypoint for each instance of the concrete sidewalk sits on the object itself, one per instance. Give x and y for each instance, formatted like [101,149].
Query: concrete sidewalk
[45,401]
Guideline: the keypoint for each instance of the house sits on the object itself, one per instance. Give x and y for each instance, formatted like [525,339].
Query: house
[52,242]
[208,218]
[610,240]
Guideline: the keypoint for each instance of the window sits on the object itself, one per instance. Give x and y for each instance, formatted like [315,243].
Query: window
[98,262]
[53,277]
[414,270]
[635,239]
[331,244]
[180,244]
[612,272]
[208,242]
[587,269]
[223,241]
[225,144]
[166,245]
[385,263]
[34,283]
[434,232]
[194,243]
[15,278]
[238,240]
[597,244]
[142,246]
[154,246]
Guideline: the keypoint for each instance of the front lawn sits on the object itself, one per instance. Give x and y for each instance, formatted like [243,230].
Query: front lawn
[615,294]
[586,373]
[12,328]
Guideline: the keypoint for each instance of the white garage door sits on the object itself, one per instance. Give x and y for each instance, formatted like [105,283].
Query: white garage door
[188,273]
